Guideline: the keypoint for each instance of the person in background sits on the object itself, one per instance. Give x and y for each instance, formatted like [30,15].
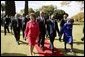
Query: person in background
[83,37]
[6,24]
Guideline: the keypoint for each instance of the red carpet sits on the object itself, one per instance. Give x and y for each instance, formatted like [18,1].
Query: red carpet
[47,51]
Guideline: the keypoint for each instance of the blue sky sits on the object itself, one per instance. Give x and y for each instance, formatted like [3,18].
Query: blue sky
[73,9]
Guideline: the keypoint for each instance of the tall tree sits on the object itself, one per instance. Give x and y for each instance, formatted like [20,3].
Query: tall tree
[10,8]
[58,14]
[26,8]
[48,9]
[37,12]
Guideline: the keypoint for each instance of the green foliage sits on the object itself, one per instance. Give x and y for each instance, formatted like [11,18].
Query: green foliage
[37,12]
[31,10]
[48,9]
[58,14]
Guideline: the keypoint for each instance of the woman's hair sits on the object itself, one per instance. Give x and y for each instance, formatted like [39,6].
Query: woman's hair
[33,15]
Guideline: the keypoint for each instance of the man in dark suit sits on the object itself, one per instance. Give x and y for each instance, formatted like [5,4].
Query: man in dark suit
[16,28]
[6,24]
[41,21]
[52,27]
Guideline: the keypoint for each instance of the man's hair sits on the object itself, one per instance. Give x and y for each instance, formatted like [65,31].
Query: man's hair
[71,20]
[66,14]
[42,11]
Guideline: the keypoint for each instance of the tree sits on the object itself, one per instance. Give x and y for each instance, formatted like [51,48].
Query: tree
[58,14]
[31,10]
[26,8]
[48,9]
[79,16]
[10,8]
[37,12]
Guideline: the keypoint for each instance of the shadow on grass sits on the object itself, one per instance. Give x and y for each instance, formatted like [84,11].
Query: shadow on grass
[22,42]
[78,43]
[77,24]
[2,31]
[13,54]
[75,52]
[60,41]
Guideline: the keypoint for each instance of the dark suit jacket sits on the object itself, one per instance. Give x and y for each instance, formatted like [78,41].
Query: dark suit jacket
[7,21]
[62,22]
[16,25]
[24,21]
[41,26]
[54,30]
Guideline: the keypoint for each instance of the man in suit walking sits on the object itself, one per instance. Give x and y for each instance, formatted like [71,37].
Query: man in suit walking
[6,24]
[52,27]
[16,28]
[41,21]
